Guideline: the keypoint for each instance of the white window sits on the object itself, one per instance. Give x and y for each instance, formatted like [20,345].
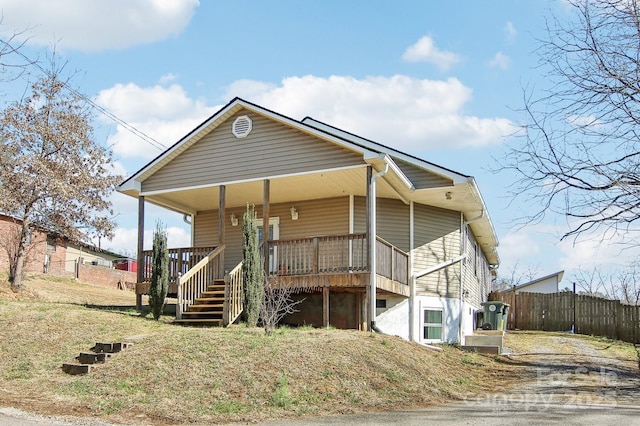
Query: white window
[432,324]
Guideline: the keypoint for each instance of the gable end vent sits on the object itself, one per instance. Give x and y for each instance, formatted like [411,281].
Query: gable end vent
[241,127]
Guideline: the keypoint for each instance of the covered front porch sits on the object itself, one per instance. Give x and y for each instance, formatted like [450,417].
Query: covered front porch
[321,264]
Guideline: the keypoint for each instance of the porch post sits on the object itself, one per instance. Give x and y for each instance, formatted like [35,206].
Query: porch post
[265,225]
[325,307]
[221,228]
[140,257]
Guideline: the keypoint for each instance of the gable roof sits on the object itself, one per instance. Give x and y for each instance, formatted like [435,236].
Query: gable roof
[558,274]
[468,199]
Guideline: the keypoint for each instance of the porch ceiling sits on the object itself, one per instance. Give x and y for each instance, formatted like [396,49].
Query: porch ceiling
[285,189]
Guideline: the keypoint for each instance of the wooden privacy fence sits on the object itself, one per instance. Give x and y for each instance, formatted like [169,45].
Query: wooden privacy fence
[569,311]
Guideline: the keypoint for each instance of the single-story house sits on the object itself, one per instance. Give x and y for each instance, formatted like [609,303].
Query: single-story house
[52,254]
[547,284]
[370,237]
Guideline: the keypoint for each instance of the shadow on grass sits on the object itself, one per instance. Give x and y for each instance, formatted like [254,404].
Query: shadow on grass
[130,310]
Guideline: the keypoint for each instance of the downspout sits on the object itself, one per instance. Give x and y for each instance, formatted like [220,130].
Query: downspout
[372,246]
[463,249]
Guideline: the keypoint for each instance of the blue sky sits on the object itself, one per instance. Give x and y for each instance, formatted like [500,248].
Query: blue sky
[440,80]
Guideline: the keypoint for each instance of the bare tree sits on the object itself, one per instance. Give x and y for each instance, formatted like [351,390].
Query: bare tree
[277,303]
[594,281]
[578,154]
[516,276]
[53,175]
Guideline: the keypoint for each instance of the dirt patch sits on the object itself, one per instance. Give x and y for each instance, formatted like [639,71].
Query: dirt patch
[575,370]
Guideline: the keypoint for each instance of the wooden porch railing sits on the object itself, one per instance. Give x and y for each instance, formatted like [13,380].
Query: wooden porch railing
[391,262]
[180,261]
[233,295]
[317,255]
[195,281]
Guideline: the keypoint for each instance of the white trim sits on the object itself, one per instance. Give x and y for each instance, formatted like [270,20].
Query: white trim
[423,324]
[439,266]
[412,280]
[352,212]
[258,179]
[351,225]
[399,173]
[130,185]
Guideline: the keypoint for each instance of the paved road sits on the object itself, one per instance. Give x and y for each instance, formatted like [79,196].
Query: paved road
[487,415]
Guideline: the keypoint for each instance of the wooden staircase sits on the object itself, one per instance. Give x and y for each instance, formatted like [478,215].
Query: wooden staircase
[208,309]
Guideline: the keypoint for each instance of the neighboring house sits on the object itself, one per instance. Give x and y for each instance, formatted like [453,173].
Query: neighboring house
[369,236]
[547,284]
[51,254]
[44,252]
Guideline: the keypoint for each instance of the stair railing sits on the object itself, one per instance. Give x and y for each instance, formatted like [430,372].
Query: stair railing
[195,280]
[233,295]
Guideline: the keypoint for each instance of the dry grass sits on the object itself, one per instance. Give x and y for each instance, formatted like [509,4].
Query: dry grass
[177,374]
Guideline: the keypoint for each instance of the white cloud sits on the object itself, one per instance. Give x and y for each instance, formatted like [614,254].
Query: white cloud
[409,114]
[412,115]
[600,249]
[168,78]
[500,60]
[164,113]
[425,50]
[510,31]
[96,25]
[126,239]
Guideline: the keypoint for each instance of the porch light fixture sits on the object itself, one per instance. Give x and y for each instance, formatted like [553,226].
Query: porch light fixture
[447,195]
[294,213]
[234,220]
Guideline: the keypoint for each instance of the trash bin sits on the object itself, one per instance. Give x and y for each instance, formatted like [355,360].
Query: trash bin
[495,315]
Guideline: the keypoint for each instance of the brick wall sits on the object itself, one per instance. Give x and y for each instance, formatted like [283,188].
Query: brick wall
[106,277]
[35,252]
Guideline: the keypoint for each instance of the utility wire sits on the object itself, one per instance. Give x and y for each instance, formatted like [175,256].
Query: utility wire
[109,114]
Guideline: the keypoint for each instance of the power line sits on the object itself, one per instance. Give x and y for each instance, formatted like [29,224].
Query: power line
[139,133]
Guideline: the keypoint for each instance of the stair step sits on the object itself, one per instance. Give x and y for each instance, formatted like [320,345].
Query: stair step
[92,357]
[201,313]
[200,300]
[199,321]
[206,307]
[110,347]
[73,368]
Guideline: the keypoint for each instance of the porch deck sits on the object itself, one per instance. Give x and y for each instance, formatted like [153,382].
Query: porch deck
[312,263]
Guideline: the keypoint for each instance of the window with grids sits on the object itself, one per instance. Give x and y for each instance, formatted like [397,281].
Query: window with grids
[432,324]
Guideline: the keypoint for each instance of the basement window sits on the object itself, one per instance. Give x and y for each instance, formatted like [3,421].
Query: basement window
[432,325]
[381,303]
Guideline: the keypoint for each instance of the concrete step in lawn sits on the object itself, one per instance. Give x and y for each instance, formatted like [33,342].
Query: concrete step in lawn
[99,354]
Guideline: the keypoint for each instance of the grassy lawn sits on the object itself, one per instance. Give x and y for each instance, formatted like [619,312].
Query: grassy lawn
[176,374]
